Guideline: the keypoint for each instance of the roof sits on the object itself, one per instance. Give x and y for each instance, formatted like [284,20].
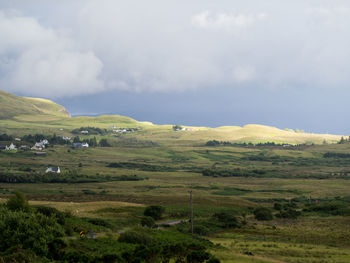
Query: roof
[54,169]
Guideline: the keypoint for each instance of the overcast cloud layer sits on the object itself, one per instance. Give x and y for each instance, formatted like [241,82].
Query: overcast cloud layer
[62,49]
[173,45]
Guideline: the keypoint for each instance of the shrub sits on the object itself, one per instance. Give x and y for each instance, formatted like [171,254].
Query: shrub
[288,213]
[227,219]
[50,211]
[201,230]
[99,222]
[278,206]
[263,213]
[135,237]
[18,202]
[148,221]
[154,211]
[32,231]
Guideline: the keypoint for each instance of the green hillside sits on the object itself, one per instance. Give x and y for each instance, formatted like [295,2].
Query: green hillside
[19,115]
[15,106]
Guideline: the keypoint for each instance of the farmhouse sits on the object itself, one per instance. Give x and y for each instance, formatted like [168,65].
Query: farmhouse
[53,170]
[80,145]
[40,145]
[11,147]
[77,145]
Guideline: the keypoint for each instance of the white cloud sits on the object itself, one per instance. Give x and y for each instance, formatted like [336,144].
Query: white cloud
[225,21]
[167,46]
[243,73]
[36,60]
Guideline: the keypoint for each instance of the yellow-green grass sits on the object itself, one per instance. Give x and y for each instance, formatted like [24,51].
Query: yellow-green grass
[19,115]
[11,106]
[304,240]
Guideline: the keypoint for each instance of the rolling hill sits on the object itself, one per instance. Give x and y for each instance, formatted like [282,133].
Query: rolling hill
[20,115]
[12,106]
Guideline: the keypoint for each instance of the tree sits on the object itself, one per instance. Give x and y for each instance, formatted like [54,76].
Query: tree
[104,143]
[18,202]
[76,139]
[177,127]
[92,142]
[154,211]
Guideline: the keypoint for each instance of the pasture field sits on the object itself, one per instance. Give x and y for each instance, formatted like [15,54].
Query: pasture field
[260,194]
[267,175]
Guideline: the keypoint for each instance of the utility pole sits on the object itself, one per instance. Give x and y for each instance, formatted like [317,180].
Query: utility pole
[191,212]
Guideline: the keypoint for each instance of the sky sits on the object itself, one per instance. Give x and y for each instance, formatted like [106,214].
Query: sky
[199,62]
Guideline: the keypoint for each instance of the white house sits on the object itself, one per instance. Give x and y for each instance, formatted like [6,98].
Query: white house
[84,132]
[85,144]
[11,147]
[44,141]
[40,145]
[56,170]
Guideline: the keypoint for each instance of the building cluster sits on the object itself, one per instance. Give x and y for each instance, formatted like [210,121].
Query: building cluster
[183,129]
[125,130]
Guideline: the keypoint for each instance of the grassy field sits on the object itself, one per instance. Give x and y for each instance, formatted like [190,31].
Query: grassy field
[156,165]
[172,171]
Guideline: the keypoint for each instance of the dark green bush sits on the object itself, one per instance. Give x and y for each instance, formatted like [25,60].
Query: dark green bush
[99,222]
[288,213]
[148,221]
[263,213]
[201,230]
[50,211]
[135,237]
[33,231]
[228,220]
[18,202]
[154,211]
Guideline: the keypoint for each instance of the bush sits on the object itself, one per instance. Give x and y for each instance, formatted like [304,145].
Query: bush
[50,211]
[148,221]
[18,202]
[227,220]
[32,231]
[154,211]
[288,213]
[263,213]
[99,222]
[201,230]
[135,237]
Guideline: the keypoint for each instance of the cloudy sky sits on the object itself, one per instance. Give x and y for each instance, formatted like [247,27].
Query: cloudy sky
[198,62]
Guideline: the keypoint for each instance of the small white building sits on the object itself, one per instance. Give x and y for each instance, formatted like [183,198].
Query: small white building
[56,170]
[40,145]
[85,144]
[44,141]
[11,147]
[84,132]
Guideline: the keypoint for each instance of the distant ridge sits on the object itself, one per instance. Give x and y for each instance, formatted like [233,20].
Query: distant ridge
[23,115]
